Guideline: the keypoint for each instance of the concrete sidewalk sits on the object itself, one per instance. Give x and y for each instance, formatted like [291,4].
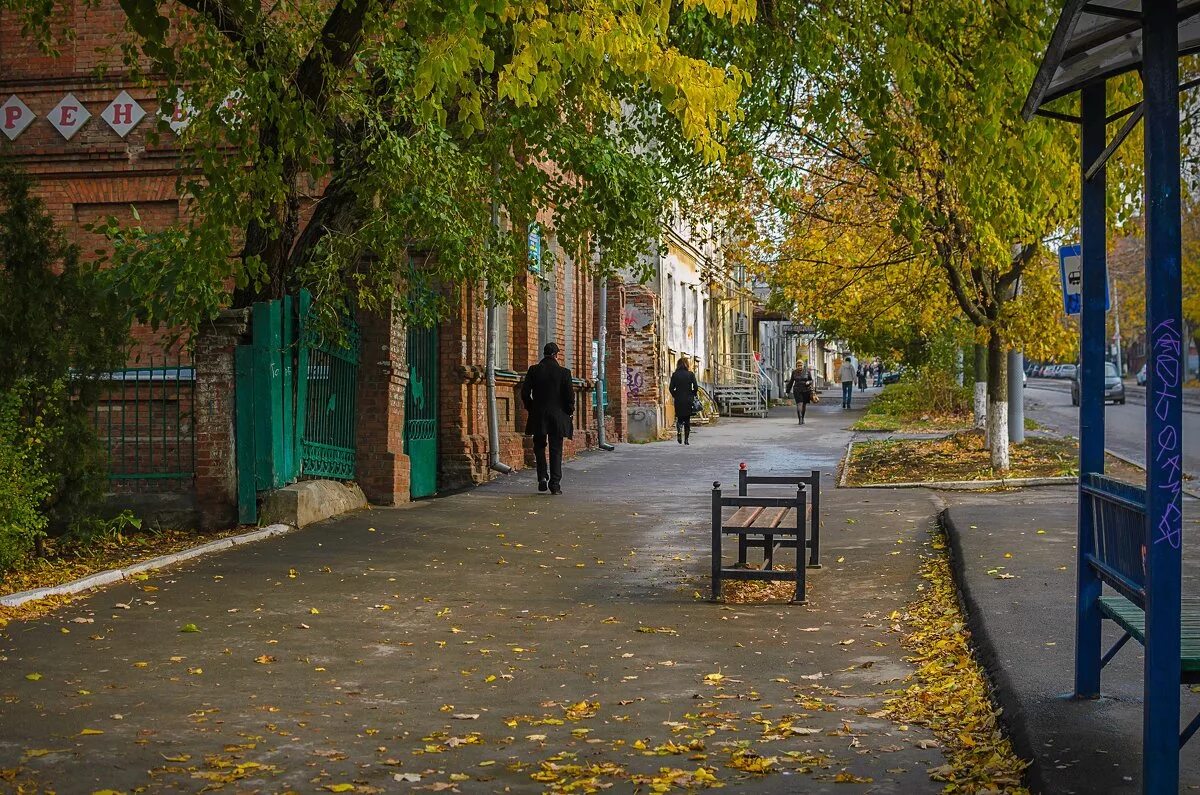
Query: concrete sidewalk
[493,640]
[1024,629]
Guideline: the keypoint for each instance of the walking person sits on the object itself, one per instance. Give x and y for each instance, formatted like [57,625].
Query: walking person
[846,373]
[549,400]
[685,392]
[862,377]
[800,384]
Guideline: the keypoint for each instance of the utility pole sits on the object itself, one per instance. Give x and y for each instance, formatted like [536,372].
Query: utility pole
[1117,325]
[1016,397]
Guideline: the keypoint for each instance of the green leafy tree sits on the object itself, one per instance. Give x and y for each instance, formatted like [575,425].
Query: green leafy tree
[322,132]
[912,181]
[60,331]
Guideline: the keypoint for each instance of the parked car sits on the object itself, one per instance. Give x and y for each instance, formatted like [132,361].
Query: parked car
[1114,387]
[1067,371]
[893,376]
[1141,376]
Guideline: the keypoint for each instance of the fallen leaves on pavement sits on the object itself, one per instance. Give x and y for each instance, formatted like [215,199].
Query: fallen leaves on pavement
[949,692]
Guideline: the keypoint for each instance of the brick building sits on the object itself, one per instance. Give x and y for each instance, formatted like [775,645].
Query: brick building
[84,138]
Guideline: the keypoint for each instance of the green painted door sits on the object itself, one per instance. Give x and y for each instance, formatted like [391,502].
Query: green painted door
[421,410]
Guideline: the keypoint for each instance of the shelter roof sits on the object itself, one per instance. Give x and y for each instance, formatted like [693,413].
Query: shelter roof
[1097,40]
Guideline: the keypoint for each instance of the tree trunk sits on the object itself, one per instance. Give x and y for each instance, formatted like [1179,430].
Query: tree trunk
[981,370]
[997,395]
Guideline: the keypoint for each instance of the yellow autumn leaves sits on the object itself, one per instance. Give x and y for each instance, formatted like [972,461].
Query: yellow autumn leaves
[949,693]
[587,45]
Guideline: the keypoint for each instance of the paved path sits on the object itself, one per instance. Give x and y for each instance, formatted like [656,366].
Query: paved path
[1014,555]
[456,640]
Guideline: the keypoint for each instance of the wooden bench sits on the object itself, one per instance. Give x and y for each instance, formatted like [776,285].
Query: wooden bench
[812,485]
[1118,513]
[768,523]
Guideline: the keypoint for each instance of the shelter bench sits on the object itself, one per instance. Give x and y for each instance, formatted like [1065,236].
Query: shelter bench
[767,523]
[1118,512]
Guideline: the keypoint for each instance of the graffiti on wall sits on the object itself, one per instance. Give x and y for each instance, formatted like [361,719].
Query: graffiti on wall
[636,318]
[635,382]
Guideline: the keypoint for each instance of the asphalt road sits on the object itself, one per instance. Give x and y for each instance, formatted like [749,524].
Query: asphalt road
[1049,402]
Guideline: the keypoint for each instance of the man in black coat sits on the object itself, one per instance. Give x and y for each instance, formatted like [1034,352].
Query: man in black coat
[549,400]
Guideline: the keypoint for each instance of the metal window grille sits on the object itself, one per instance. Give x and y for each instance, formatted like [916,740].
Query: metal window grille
[144,419]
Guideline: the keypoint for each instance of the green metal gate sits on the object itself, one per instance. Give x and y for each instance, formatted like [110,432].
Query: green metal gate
[329,395]
[421,411]
[296,396]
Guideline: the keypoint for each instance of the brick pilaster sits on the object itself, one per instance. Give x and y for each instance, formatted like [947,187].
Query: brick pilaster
[216,452]
[616,423]
[382,467]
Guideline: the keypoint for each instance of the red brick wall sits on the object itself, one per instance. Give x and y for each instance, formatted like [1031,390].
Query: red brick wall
[614,385]
[463,430]
[382,468]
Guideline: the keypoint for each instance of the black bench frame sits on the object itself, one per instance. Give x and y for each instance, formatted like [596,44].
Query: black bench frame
[812,484]
[719,529]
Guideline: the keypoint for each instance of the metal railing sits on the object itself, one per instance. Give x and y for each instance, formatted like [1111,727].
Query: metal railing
[143,417]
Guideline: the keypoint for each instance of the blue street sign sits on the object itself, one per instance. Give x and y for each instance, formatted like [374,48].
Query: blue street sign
[1070,268]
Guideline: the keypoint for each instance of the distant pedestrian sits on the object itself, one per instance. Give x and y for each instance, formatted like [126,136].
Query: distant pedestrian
[878,373]
[549,399]
[847,373]
[686,394]
[800,385]
[862,378]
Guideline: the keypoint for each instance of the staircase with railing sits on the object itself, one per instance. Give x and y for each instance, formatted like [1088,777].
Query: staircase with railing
[737,388]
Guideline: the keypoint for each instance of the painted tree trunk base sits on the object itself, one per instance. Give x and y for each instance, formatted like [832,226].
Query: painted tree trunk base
[998,434]
[981,403]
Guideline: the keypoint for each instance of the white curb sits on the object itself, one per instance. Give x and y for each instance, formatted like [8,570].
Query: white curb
[845,474]
[116,575]
[973,485]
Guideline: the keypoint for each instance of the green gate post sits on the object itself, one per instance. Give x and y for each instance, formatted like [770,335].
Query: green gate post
[303,305]
[287,353]
[243,393]
[268,393]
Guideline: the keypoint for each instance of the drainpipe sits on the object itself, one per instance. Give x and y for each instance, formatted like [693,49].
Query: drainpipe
[494,461]
[601,382]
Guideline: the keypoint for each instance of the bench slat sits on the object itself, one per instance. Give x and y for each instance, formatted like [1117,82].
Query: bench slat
[743,517]
[770,517]
[1132,619]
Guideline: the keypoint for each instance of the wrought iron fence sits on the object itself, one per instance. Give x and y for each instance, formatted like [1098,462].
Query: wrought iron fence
[331,387]
[144,418]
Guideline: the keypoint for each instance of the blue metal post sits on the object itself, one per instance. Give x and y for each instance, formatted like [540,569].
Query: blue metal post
[1164,436]
[1091,385]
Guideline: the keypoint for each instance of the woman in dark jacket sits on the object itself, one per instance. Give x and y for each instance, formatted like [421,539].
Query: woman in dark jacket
[684,390]
[801,386]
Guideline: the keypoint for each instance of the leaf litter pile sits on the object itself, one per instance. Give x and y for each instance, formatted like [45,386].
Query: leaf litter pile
[949,693]
[745,592]
[958,456]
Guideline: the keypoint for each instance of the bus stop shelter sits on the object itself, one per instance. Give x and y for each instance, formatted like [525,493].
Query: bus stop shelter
[1130,536]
